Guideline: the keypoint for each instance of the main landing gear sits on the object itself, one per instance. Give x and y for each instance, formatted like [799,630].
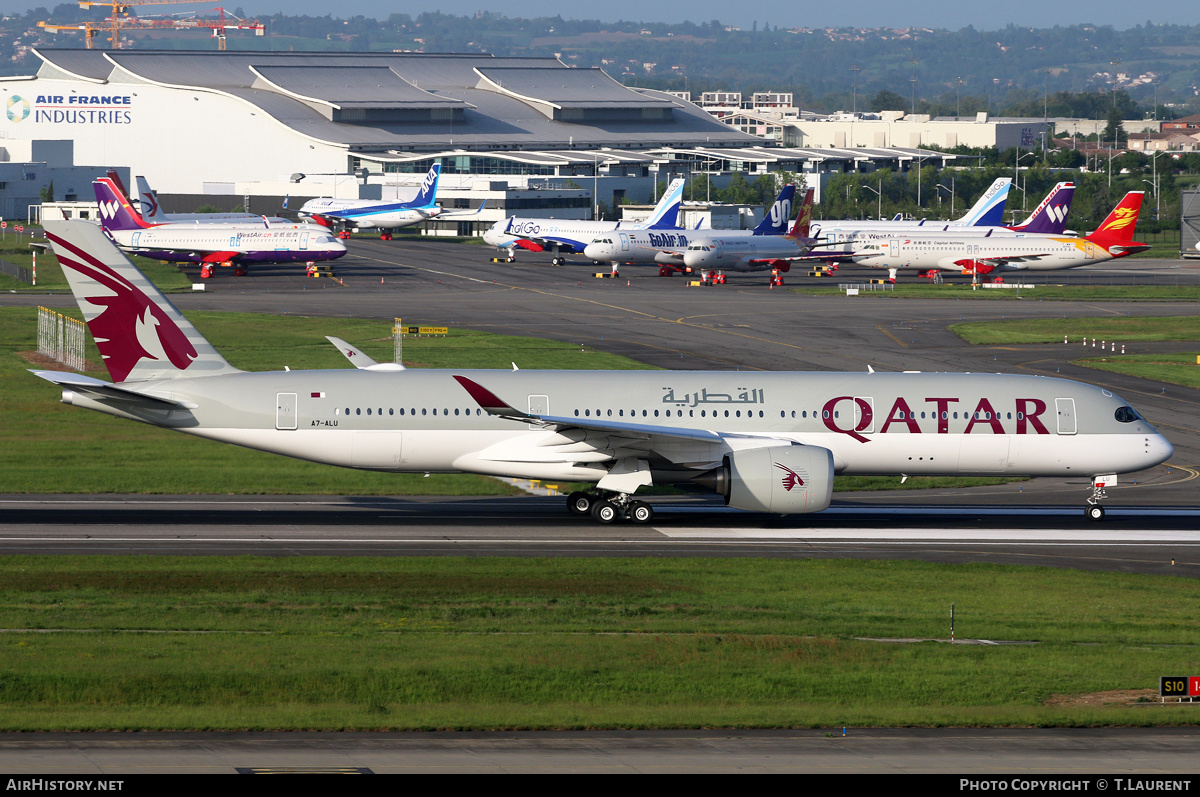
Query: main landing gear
[610,507]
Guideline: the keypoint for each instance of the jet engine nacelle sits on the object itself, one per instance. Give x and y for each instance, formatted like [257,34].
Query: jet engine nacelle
[780,479]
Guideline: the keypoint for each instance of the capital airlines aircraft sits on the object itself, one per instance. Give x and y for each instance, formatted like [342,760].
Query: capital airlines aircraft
[366,214]
[235,244]
[767,442]
[667,248]
[572,235]
[1002,251]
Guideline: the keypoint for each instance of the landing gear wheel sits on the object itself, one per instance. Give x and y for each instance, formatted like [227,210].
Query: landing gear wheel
[205,271]
[239,271]
[579,503]
[1094,512]
[558,261]
[640,512]
[605,512]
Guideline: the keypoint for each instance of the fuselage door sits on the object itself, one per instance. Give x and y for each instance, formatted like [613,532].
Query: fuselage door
[1066,415]
[864,406]
[303,240]
[624,242]
[285,411]
[894,248]
[539,405]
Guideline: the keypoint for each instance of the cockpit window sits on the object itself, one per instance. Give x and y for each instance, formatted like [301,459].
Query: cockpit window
[1126,415]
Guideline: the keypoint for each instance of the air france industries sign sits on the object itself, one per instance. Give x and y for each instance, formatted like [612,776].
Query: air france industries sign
[73,109]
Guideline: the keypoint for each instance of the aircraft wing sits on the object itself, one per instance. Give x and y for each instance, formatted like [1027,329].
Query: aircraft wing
[351,353]
[219,257]
[464,214]
[601,439]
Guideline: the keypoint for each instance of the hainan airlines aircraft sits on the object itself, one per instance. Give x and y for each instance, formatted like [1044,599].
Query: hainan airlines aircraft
[666,249]
[572,235]
[365,214]
[1002,251]
[231,244]
[767,442]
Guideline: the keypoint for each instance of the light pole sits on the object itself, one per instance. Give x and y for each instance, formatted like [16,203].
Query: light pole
[879,202]
[1015,184]
[914,61]
[951,190]
[958,83]
[854,70]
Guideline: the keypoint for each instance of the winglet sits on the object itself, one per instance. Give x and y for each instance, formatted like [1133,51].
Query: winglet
[489,401]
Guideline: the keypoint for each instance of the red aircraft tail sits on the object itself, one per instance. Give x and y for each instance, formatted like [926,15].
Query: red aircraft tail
[1116,233]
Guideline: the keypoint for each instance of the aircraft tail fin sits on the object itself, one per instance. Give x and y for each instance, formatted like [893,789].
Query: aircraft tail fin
[775,222]
[666,212]
[139,333]
[115,211]
[988,210]
[115,176]
[427,196]
[1117,229]
[804,218]
[1050,217]
[148,201]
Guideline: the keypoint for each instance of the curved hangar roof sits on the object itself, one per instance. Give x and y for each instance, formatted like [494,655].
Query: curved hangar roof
[417,101]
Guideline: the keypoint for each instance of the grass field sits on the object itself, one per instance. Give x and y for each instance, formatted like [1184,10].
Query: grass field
[47,447]
[431,643]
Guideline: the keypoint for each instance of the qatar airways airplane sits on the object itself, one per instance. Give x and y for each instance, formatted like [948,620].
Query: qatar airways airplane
[767,442]
[236,244]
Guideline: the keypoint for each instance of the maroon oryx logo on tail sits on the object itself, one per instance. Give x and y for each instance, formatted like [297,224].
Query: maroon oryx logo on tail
[791,478]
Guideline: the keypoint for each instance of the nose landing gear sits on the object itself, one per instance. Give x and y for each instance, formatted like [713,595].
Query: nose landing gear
[1094,511]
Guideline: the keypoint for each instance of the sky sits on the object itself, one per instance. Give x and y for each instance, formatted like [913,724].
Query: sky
[951,14]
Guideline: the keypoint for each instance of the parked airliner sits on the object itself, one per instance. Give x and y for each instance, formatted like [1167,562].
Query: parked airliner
[572,235]
[230,244]
[767,442]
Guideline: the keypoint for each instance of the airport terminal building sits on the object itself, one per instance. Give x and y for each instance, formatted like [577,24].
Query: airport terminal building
[525,134]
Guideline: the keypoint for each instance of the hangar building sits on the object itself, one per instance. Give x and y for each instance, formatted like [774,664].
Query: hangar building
[525,133]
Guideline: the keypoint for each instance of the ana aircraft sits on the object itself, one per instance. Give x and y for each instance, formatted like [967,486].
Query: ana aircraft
[366,214]
[228,244]
[767,442]
[666,249]
[573,235]
[1000,252]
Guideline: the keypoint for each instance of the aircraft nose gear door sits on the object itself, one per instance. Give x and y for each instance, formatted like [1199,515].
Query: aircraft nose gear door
[285,411]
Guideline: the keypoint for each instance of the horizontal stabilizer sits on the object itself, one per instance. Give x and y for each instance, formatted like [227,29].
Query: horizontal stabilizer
[101,389]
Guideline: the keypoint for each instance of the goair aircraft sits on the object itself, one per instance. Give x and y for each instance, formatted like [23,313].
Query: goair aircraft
[666,249]
[1001,251]
[572,235]
[720,250]
[368,213]
[228,244]
[767,442]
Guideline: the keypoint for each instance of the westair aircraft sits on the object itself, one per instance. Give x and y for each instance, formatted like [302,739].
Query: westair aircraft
[365,214]
[229,244]
[572,235]
[767,442]
[991,255]
[666,249]
[147,204]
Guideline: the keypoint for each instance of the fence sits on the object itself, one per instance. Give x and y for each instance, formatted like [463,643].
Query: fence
[62,338]
[13,270]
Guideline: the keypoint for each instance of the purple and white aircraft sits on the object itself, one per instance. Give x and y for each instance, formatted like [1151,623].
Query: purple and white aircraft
[230,244]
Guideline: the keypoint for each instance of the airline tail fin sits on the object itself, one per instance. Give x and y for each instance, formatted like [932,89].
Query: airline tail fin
[988,210]
[666,212]
[775,221]
[148,201]
[115,176]
[1116,233]
[427,196]
[1050,217]
[139,333]
[115,211]
[804,218]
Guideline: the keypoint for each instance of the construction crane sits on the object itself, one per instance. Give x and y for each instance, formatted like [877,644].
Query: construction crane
[121,21]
